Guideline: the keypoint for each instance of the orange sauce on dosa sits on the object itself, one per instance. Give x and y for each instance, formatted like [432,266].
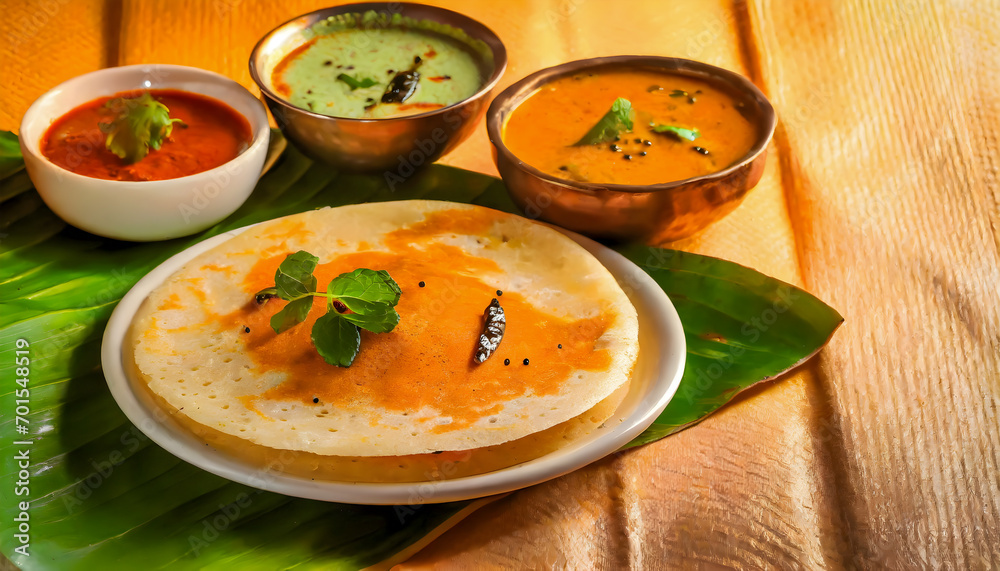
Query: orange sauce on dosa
[427,359]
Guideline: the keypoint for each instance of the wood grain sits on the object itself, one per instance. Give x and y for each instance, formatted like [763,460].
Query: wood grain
[46,42]
[880,196]
[891,184]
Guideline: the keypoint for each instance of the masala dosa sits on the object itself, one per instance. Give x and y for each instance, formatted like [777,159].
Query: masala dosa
[204,346]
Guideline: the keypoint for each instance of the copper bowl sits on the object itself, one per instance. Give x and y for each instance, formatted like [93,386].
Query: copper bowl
[394,145]
[655,213]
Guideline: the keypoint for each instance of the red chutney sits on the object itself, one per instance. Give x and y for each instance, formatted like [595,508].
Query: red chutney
[212,134]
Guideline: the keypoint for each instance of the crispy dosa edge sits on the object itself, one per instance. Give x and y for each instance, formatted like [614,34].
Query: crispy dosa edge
[385,469]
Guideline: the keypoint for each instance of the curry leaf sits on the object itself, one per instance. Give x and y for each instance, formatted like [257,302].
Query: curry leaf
[679,132]
[294,277]
[140,124]
[292,314]
[370,296]
[617,120]
[378,318]
[336,339]
[365,285]
[356,83]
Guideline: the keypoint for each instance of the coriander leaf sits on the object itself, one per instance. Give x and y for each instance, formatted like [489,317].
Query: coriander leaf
[678,93]
[363,306]
[364,285]
[291,315]
[294,277]
[139,124]
[617,120]
[369,295]
[679,132]
[381,319]
[11,160]
[337,340]
[356,83]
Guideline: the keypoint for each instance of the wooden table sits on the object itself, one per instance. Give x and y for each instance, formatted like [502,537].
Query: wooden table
[881,196]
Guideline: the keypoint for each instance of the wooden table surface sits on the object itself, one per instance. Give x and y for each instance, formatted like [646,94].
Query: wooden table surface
[880,196]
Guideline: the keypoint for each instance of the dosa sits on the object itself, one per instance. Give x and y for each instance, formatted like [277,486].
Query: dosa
[204,346]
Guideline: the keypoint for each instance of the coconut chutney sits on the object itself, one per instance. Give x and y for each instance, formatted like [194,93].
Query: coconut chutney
[347,72]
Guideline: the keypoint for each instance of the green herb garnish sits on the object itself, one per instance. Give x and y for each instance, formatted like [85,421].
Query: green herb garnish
[679,132]
[360,299]
[678,93]
[617,120]
[356,83]
[139,124]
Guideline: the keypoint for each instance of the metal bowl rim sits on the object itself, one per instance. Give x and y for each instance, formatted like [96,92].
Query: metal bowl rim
[473,27]
[517,93]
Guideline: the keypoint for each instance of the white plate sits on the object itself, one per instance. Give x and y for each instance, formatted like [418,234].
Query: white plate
[655,379]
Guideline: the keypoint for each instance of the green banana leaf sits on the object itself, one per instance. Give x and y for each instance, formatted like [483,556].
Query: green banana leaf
[10,154]
[741,328]
[103,496]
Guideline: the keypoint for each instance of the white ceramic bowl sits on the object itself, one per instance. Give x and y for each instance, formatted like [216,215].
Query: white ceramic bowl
[145,210]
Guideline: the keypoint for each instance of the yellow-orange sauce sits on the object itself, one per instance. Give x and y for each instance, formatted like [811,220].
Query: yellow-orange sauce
[426,361]
[543,129]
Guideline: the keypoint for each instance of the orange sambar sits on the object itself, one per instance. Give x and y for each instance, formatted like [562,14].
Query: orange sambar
[542,130]
[212,134]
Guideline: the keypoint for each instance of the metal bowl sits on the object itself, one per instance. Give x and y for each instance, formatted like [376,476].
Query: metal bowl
[655,213]
[395,145]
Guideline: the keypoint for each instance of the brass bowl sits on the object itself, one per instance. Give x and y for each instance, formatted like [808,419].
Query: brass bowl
[395,145]
[655,213]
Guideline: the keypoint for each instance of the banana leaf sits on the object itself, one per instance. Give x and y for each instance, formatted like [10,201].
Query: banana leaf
[741,328]
[10,154]
[101,495]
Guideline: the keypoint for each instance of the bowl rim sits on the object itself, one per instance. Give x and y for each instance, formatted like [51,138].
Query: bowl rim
[467,24]
[514,95]
[260,137]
